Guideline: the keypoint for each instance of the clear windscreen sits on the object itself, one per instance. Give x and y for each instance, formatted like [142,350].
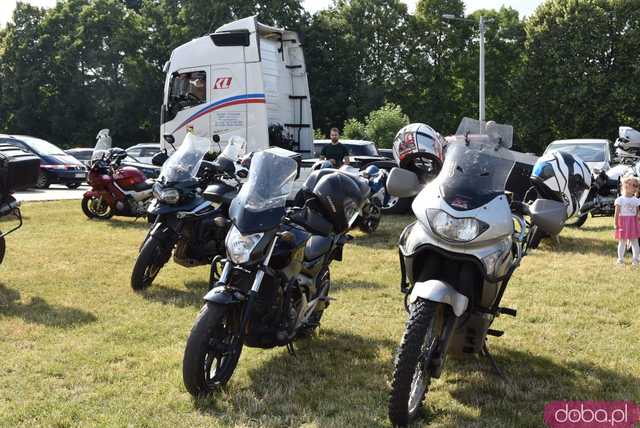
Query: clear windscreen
[490,132]
[270,179]
[184,163]
[474,173]
[103,145]
[235,149]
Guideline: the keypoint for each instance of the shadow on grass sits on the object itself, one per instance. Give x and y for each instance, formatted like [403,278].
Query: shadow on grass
[344,285]
[180,298]
[337,377]
[387,234]
[602,228]
[570,244]
[117,223]
[532,381]
[38,311]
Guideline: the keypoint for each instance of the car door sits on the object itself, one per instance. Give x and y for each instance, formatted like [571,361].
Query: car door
[187,102]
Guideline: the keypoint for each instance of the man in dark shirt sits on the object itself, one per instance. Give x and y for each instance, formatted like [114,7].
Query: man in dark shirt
[335,152]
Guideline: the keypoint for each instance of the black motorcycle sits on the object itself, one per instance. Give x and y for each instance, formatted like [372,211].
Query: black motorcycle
[274,286]
[187,222]
[18,170]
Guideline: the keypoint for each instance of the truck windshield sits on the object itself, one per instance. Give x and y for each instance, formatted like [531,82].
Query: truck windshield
[186,90]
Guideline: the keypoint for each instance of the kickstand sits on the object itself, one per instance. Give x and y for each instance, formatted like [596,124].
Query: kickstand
[291,349]
[487,355]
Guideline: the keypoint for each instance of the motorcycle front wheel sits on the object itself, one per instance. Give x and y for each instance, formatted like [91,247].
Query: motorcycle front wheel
[152,257]
[412,376]
[96,208]
[212,351]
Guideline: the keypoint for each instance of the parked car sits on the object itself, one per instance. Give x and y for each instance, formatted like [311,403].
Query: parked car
[56,167]
[84,155]
[596,153]
[144,152]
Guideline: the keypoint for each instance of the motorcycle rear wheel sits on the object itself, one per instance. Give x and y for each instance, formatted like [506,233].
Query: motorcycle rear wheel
[411,377]
[307,330]
[150,260]
[93,208]
[3,247]
[370,223]
[211,345]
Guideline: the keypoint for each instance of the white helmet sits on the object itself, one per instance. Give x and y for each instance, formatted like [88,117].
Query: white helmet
[416,143]
[562,177]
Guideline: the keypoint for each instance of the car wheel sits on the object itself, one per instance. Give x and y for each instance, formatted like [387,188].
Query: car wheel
[43,181]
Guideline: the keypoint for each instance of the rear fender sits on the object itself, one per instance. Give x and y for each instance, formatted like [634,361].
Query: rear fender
[441,292]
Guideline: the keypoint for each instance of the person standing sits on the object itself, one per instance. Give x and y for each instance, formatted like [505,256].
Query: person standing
[626,220]
[336,152]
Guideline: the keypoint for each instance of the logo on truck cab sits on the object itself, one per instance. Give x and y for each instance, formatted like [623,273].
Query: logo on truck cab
[222,83]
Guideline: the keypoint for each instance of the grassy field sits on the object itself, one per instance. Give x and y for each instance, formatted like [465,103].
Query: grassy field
[79,348]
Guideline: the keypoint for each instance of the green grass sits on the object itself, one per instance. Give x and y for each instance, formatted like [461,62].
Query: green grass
[79,348]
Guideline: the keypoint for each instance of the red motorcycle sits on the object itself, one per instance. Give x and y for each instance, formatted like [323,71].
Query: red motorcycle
[116,190]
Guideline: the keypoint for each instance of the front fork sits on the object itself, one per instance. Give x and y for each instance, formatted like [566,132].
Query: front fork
[434,362]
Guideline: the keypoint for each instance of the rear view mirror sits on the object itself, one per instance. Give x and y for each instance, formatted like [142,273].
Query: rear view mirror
[548,215]
[214,147]
[159,158]
[403,183]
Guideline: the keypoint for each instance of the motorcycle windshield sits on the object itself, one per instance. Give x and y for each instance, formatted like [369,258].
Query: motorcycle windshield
[488,132]
[260,204]
[103,145]
[235,149]
[184,163]
[473,174]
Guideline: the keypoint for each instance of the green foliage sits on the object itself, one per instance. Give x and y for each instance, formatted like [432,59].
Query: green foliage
[353,129]
[318,134]
[569,70]
[383,124]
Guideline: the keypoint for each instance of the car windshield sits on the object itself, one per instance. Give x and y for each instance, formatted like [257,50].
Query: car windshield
[184,163]
[473,174]
[586,152]
[41,147]
[362,149]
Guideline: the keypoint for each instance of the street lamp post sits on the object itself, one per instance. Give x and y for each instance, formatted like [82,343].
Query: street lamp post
[482,25]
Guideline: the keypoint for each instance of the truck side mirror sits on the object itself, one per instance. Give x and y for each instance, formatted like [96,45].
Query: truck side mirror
[216,138]
[214,147]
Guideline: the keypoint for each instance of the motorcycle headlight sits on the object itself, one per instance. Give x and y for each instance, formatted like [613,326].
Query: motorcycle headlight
[168,196]
[239,246]
[455,229]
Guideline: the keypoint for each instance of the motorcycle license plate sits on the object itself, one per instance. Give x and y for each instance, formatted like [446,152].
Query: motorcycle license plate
[80,175]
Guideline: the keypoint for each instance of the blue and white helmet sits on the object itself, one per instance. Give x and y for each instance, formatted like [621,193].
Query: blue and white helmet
[563,177]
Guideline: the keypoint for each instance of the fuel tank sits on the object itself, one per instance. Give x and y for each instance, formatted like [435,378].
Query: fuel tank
[127,177]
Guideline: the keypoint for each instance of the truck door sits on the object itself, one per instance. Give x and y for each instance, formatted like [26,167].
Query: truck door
[186,103]
[229,101]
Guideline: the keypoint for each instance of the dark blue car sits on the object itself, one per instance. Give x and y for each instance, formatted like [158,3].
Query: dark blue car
[56,167]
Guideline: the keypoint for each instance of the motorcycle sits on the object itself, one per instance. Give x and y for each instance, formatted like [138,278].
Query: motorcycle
[371,214]
[274,285]
[189,223]
[18,170]
[457,259]
[115,189]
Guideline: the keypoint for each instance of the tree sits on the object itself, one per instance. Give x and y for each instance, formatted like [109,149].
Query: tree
[383,124]
[353,129]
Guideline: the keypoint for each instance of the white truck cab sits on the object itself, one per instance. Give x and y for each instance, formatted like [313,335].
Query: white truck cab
[244,79]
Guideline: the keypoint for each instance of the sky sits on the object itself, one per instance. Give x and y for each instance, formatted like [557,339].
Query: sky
[525,7]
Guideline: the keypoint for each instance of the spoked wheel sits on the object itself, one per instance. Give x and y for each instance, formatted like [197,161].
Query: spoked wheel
[371,221]
[212,350]
[152,257]
[412,374]
[96,208]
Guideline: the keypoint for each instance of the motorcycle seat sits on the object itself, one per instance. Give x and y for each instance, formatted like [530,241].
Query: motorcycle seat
[145,185]
[317,246]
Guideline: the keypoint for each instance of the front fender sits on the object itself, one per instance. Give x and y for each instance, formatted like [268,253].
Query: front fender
[441,292]
[222,296]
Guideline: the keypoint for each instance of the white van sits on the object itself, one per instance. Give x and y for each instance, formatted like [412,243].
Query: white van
[240,80]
